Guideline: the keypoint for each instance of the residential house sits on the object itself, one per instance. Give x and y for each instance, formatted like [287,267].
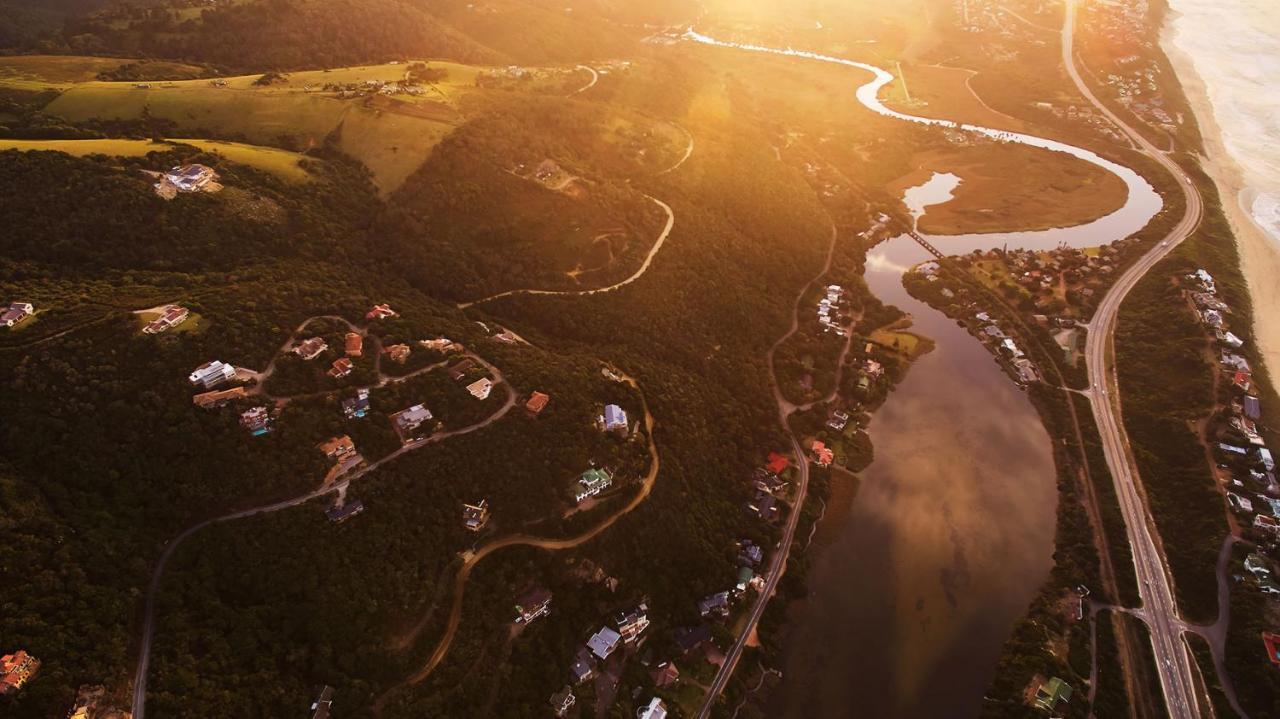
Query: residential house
[537,402]
[1239,503]
[1235,362]
[655,709]
[218,398]
[822,456]
[170,318]
[475,516]
[1050,693]
[562,701]
[745,575]
[716,605]
[614,419]
[632,623]
[353,344]
[320,707]
[212,374]
[764,506]
[1205,280]
[592,482]
[751,555]
[534,603]
[441,344]
[665,675]
[358,406]
[481,388]
[1241,380]
[17,312]
[777,463]
[1264,523]
[1251,407]
[583,667]
[1256,565]
[1264,456]
[604,642]
[340,513]
[381,312]
[189,178]
[341,368]
[838,420]
[409,420]
[460,369]
[691,639]
[15,670]
[338,448]
[1272,644]
[398,353]
[1229,339]
[310,349]
[257,420]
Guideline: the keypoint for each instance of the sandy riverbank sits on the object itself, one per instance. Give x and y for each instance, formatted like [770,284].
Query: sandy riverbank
[1259,253]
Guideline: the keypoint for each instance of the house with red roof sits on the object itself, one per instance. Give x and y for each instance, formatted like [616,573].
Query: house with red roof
[1272,643]
[777,463]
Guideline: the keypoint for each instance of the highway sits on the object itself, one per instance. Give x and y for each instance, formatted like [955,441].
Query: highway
[1159,607]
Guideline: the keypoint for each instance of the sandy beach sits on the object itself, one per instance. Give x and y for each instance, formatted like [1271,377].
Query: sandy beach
[1259,253]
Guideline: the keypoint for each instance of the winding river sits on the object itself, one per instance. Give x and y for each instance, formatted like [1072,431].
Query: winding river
[951,532]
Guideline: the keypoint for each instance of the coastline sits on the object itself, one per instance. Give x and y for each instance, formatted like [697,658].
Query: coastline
[1259,253]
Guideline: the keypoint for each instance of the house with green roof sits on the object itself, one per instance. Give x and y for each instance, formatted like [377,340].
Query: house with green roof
[1051,692]
[592,482]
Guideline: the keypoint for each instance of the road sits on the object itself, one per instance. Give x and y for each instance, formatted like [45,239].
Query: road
[1159,607]
[471,559]
[149,609]
[778,559]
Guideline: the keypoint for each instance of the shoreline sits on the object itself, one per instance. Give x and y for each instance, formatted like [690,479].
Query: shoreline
[1259,253]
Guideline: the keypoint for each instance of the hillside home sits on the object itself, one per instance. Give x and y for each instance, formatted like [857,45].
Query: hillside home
[822,456]
[1272,644]
[655,709]
[218,398]
[632,623]
[441,344]
[481,388]
[398,353]
[534,603]
[17,312]
[459,370]
[212,374]
[691,639]
[353,344]
[562,701]
[1251,407]
[475,516]
[358,406]
[537,402]
[583,667]
[381,312]
[665,675]
[338,448]
[341,368]
[310,349]
[340,513]
[15,670]
[777,463]
[716,605]
[604,642]
[189,178]
[592,482]
[256,420]
[411,419]
[614,419]
[170,318]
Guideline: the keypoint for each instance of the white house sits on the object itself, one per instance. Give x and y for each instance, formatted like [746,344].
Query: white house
[212,374]
[604,642]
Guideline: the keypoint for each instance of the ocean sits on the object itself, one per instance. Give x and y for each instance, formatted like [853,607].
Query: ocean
[1235,48]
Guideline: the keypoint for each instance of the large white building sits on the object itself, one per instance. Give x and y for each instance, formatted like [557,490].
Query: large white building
[212,374]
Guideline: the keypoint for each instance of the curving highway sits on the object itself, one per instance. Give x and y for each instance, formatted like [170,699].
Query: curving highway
[1159,606]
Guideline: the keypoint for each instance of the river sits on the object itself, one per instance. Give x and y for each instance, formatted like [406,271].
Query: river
[951,532]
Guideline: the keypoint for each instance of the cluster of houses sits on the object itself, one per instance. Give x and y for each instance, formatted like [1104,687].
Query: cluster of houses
[718,605]
[1063,279]
[831,311]
[1007,349]
[768,486]
[171,317]
[16,669]
[1135,76]
[347,90]
[186,178]
[16,313]
[625,630]
[91,703]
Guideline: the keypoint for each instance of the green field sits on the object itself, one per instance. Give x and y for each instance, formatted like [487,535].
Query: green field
[282,163]
[391,135]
